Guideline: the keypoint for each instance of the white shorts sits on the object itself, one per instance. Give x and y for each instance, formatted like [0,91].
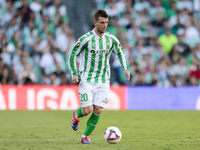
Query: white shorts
[94,94]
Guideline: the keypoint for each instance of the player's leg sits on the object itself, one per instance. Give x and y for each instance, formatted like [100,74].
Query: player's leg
[100,100]
[91,124]
[93,120]
[79,113]
[83,111]
[85,97]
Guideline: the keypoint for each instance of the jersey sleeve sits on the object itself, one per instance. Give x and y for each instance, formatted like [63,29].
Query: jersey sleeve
[73,56]
[118,50]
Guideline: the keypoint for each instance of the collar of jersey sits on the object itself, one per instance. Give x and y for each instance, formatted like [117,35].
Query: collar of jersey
[98,37]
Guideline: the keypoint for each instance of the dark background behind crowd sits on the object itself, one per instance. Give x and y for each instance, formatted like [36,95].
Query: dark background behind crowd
[160,38]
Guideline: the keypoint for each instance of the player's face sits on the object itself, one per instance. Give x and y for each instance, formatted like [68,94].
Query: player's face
[101,24]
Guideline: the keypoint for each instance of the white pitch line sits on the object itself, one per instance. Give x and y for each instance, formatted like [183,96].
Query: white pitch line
[159,140]
[27,139]
[164,140]
[100,139]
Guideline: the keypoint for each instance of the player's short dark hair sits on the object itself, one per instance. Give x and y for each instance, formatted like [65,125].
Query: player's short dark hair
[100,13]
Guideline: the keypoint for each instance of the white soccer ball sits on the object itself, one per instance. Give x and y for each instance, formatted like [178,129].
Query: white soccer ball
[112,135]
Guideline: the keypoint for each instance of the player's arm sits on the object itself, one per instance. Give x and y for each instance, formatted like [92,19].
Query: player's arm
[72,61]
[118,50]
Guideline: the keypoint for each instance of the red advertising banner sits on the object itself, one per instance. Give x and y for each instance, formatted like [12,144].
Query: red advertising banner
[44,97]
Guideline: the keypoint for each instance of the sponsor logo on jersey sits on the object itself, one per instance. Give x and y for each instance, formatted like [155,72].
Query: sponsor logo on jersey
[78,43]
[99,51]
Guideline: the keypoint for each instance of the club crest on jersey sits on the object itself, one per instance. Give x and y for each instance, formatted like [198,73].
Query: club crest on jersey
[93,44]
[99,51]
[78,43]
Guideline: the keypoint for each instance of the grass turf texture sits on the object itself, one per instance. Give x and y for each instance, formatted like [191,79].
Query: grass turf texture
[141,130]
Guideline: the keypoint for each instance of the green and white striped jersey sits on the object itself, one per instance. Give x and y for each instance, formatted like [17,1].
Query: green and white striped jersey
[94,53]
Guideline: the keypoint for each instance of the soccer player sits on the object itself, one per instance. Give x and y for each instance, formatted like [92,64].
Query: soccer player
[94,50]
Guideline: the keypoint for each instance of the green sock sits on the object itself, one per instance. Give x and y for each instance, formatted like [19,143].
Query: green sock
[91,124]
[79,112]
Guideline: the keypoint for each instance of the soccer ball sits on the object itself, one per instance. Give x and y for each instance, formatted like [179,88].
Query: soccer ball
[112,135]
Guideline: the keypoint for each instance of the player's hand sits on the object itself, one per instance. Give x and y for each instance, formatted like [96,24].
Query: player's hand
[75,79]
[127,75]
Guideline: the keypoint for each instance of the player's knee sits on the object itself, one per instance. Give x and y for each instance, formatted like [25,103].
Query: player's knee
[87,110]
[98,111]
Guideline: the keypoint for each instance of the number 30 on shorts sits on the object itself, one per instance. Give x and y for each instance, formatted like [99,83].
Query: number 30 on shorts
[83,97]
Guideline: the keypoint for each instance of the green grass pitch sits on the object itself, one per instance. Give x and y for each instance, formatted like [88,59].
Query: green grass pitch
[141,130]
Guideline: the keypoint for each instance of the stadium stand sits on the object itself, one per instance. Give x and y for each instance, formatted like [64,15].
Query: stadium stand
[161,39]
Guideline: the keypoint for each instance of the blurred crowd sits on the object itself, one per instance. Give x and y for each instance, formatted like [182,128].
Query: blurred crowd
[35,41]
[160,38]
